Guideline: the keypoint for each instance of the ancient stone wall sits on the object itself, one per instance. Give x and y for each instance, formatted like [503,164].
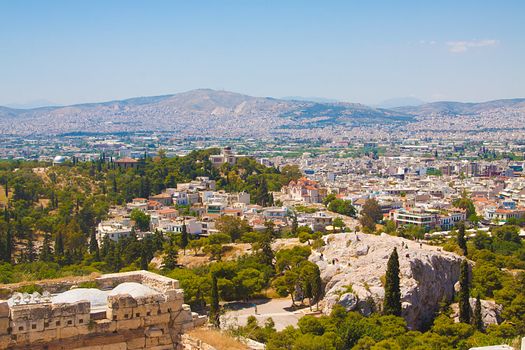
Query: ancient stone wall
[150,322]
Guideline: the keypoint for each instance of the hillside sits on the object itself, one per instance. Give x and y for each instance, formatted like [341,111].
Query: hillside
[471,118]
[199,112]
[450,107]
[228,114]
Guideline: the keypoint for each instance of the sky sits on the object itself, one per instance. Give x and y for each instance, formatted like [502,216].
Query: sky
[68,52]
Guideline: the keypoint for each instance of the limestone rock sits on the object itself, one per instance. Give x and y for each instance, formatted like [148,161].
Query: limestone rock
[427,273]
[348,301]
[490,311]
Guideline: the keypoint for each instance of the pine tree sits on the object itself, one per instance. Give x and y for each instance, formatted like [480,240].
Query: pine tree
[392,302]
[184,238]
[478,320]
[462,241]
[464,293]
[214,306]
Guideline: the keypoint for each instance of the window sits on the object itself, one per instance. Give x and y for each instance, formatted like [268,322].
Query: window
[69,322]
[114,317]
[148,313]
[137,314]
[126,315]
[21,328]
[81,321]
[33,326]
[57,323]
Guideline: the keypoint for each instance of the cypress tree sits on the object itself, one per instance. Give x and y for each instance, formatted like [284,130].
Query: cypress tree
[170,259]
[59,245]
[144,258]
[30,248]
[295,225]
[184,238]
[46,253]
[214,306]
[115,188]
[9,245]
[392,302]
[462,241]
[464,293]
[478,320]
[93,245]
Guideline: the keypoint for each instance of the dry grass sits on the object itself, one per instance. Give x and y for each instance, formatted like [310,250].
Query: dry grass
[190,261]
[3,198]
[75,279]
[218,340]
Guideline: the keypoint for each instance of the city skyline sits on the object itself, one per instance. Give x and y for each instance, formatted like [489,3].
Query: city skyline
[67,53]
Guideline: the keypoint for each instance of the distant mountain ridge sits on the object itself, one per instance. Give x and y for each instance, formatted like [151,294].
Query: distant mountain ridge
[451,107]
[193,112]
[224,113]
[401,102]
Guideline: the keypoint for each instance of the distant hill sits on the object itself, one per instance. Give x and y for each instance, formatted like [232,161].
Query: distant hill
[31,104]
[401,102]
[196,112]
[453,108]
[206,112]
[310,99]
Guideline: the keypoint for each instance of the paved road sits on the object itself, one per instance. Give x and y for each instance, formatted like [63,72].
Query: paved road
[278,309]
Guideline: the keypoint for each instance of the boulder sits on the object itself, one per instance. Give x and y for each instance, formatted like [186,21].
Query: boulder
[490,311]
[348,301]
[427,274]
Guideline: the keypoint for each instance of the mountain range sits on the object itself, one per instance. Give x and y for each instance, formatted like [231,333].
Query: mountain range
[224,113]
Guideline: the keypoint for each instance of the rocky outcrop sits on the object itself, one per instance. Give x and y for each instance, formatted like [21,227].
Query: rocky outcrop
[353,268]
[490,311]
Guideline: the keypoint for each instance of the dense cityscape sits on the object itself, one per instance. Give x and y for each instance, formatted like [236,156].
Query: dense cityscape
[250,175]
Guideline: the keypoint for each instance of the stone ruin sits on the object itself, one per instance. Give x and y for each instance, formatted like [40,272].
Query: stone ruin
[140,310]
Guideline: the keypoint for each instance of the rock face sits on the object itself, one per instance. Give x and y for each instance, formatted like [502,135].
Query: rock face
[490,311]
[352,269]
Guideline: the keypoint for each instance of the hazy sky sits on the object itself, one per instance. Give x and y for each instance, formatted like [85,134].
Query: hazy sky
[360,51]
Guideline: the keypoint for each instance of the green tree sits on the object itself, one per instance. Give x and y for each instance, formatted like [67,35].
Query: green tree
[184,238]
[93,245]
[295,225]
[310,280]
[232,226]
[464,202]
[464,293]
[46,253]
[214,305]
[338,223]
[59,245]
[342,207]
[141,219]
[462,241]
[478,320]
[371,214]
[392,301]
[144,258]
[170,257]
